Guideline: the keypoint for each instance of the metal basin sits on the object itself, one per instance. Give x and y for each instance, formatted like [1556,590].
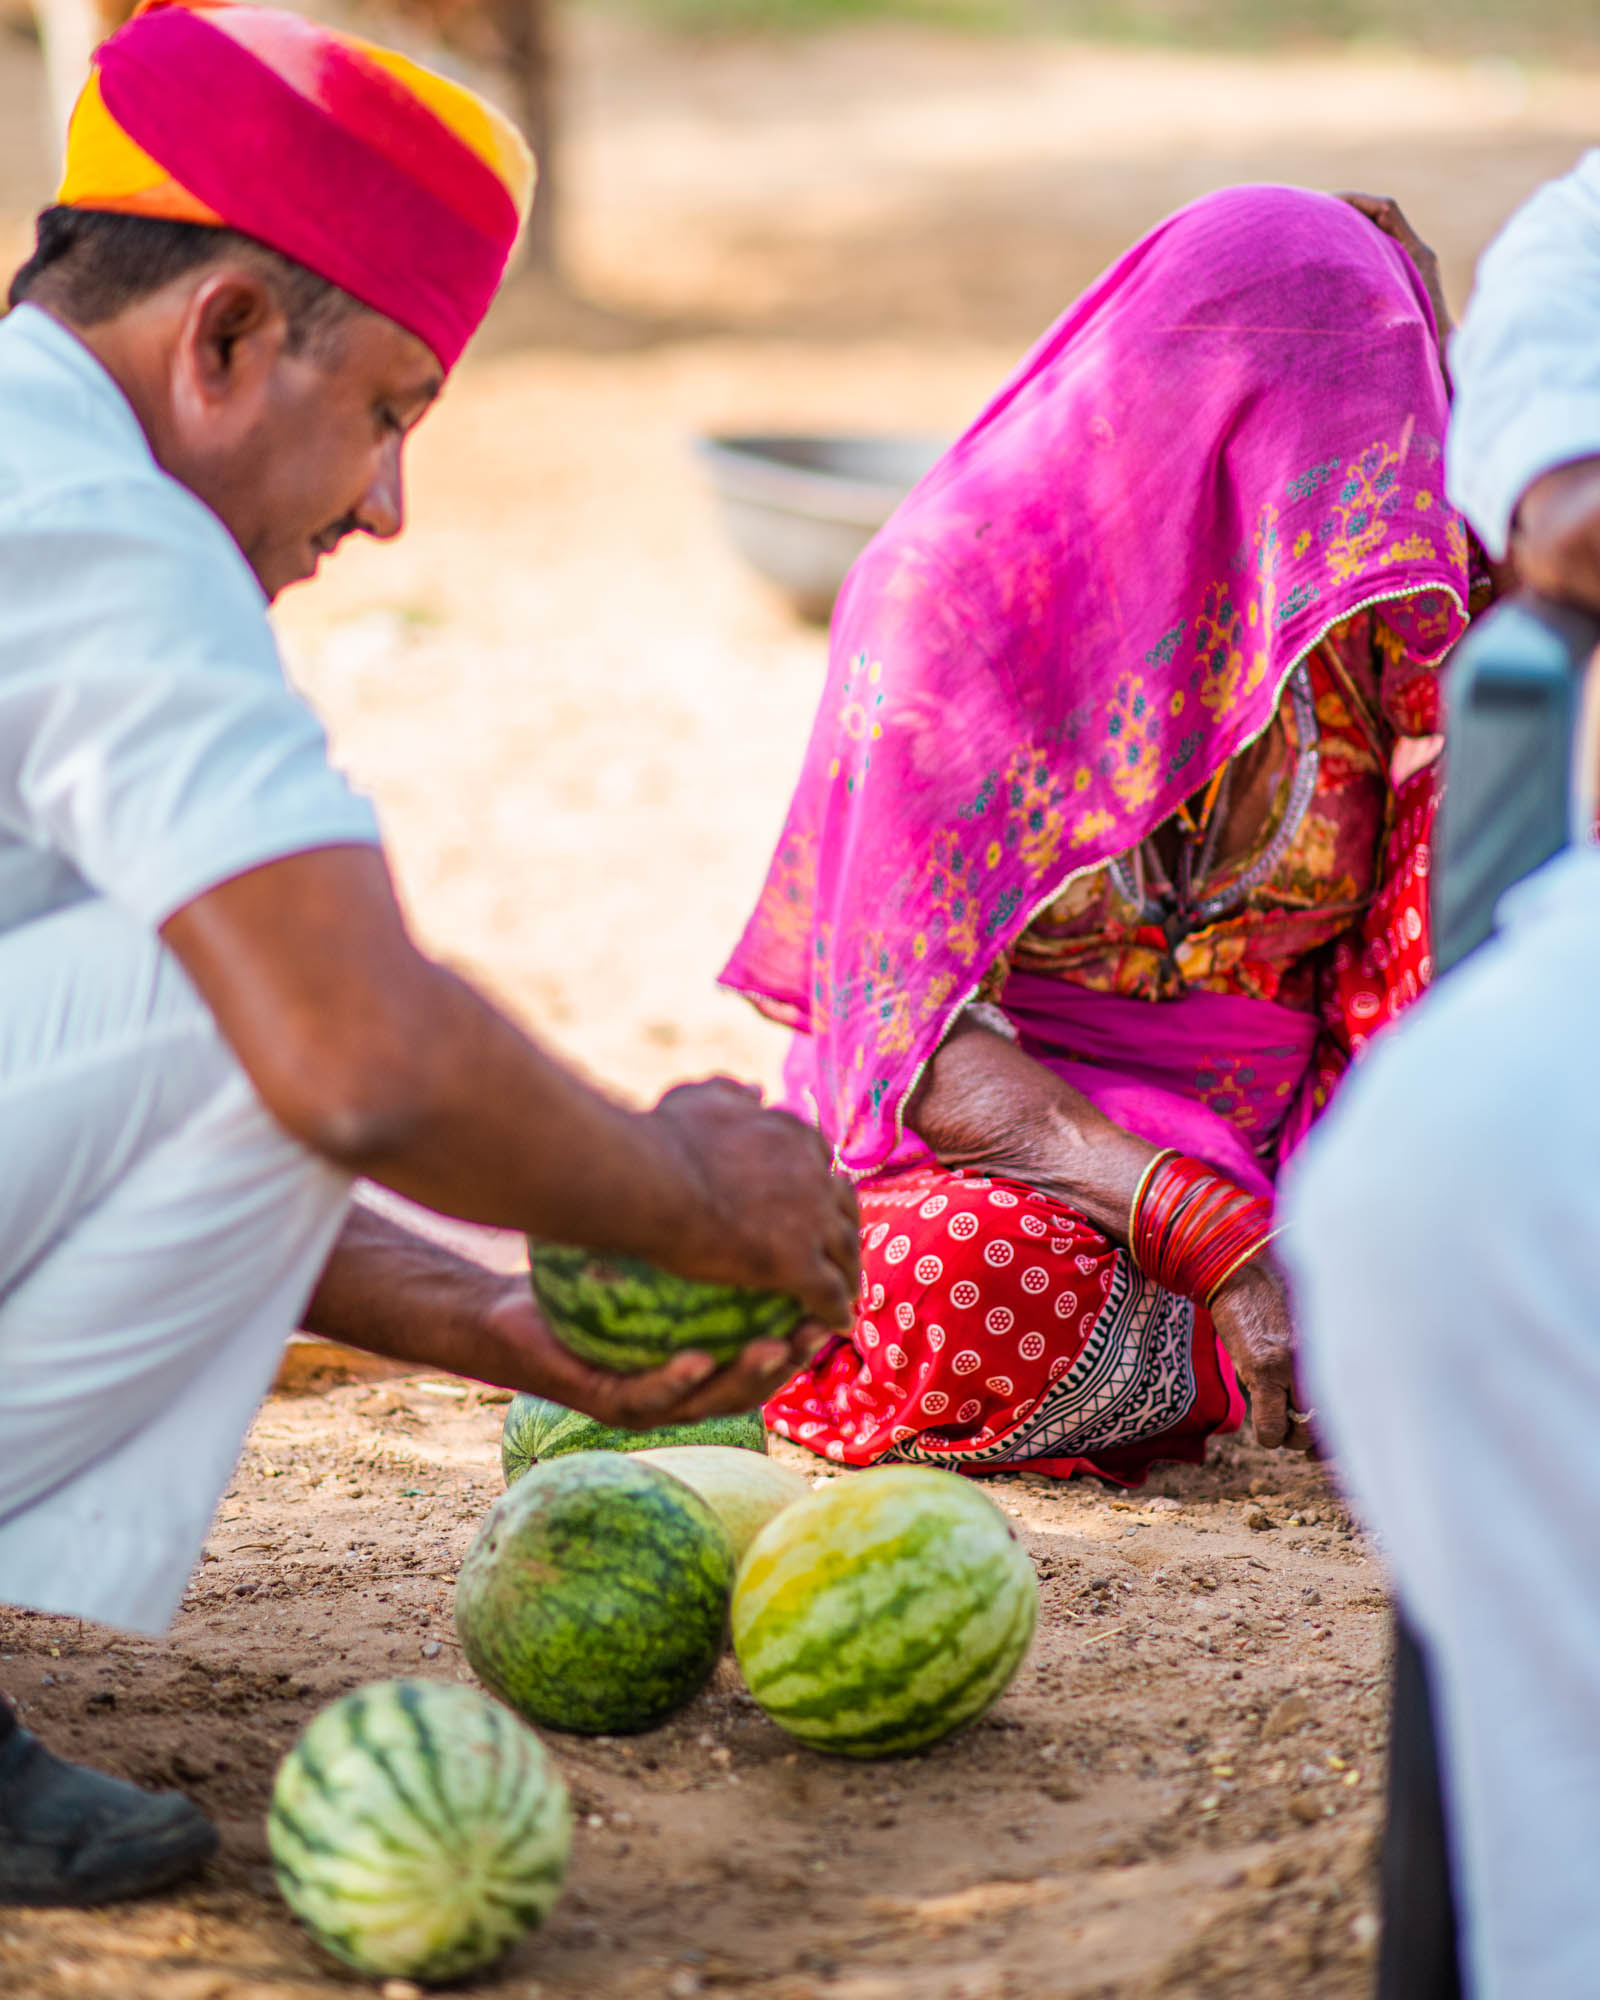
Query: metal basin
[800,508]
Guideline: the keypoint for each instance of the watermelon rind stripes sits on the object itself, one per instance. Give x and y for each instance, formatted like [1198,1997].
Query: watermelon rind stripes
[418,1830]
[535,1429]
[627,1315]
[595,1595]
[883,1612]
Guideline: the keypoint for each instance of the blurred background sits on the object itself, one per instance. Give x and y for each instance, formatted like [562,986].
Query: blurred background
[579,711]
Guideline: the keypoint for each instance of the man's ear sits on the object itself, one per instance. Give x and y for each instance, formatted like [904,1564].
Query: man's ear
[233,331]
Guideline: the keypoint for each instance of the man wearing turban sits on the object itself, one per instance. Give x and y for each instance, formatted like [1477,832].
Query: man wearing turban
[270,245]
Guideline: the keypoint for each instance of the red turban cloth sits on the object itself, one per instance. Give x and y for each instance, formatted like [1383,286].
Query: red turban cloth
[404,189]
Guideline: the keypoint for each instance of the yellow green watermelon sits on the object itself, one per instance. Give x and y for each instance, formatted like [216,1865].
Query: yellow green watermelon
[884,1611]
[743,1491]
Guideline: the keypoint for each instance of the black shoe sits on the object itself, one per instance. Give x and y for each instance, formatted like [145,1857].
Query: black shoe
[69,1835]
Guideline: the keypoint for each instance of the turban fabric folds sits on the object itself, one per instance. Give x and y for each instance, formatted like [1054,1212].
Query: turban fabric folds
[403,188]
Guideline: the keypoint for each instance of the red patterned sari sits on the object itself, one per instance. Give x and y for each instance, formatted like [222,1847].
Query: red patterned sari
[1203,522]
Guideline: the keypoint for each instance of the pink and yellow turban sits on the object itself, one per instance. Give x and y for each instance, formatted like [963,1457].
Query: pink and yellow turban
[399,186]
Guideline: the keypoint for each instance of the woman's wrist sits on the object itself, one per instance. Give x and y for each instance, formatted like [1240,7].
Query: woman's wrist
[1191,1229]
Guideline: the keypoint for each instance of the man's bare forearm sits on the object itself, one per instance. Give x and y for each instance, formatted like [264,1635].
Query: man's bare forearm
[396,1293]
[390,1065]
[393,1292]
[984,1103]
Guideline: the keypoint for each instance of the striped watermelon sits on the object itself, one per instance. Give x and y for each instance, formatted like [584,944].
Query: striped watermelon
[743,1491]
[626,1315]
[884,1611]
[595,1596]
[535,1429]
[418,1830]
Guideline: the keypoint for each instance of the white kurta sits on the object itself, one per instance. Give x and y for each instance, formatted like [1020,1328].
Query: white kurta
[1443,1234]
[159,1234]
[1526,361]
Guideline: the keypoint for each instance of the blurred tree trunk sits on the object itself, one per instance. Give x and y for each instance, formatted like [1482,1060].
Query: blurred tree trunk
[527,31]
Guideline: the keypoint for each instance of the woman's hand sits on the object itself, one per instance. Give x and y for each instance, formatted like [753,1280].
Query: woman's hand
[1251,1313]
[1387,214]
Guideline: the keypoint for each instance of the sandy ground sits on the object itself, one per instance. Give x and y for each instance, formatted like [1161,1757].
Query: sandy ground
[580,718]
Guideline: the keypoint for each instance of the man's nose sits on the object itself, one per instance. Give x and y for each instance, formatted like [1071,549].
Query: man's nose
[382,512]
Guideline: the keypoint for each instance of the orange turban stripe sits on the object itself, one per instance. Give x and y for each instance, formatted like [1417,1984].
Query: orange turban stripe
[399,186]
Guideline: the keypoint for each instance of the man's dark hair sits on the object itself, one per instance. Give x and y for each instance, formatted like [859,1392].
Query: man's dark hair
[90,265]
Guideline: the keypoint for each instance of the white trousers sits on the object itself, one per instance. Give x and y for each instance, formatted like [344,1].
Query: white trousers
[1443,1233]
[160,1236]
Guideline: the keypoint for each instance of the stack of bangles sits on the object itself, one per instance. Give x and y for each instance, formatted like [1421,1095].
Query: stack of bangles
[1190,1229]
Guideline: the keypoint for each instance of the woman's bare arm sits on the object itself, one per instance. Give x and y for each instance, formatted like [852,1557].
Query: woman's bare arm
[983,1103]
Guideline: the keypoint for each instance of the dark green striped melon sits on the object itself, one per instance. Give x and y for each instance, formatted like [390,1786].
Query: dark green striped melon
[884,1611]
[535,1429]
[595,1596]
[624,1314]
[418,1830]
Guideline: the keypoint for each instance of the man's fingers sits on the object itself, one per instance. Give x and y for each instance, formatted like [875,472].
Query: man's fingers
[644,1402]
[745,1384]
[843,1243]
[807,1341]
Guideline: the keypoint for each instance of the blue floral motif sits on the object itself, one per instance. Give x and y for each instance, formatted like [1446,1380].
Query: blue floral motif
[1164,648]
[1297,600]
[1187,746]
[1308,482]
[981,804]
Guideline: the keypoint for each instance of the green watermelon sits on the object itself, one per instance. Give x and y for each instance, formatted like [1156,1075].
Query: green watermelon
[883,1612]
[418,1830]
[535,1429]
[743,1492]
[595,1596]
[626,1315]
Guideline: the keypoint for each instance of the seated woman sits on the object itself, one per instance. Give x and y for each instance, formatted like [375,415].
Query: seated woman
[1105,858]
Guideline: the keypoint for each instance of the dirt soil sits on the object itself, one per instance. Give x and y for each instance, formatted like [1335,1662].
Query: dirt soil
[580,718]
[1176,1797]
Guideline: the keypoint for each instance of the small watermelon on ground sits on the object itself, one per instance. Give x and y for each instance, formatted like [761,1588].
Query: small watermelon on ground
[743,1491]
[627,1315]
[595,1596]
[418,1830]
[884,1611]
[535,1429]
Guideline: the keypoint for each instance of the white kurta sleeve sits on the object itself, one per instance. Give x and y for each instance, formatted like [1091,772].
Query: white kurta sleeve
[1526,361]
[148,735]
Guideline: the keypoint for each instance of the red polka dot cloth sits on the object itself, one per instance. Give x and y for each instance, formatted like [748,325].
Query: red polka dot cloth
[998,1327]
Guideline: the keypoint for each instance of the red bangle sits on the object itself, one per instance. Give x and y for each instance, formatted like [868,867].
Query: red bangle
[1190,1229]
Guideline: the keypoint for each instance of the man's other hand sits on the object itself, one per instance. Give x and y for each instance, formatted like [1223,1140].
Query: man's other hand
[1555,535]
[770,1213]
[687,1389]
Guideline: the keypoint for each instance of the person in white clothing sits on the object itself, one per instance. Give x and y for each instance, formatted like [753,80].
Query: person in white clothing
[212,1016]
[1443,1227]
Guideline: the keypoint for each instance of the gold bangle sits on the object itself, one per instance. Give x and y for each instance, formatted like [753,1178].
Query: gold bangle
[1238,1264]
[1160,1160]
